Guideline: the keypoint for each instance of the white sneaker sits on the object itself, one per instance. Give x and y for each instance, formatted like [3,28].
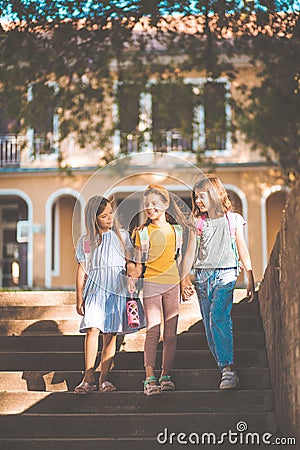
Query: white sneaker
[229,380]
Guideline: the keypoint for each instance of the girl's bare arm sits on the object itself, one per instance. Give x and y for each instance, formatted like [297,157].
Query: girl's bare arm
[138,262]
[187,288]
[80,277]
[246,261]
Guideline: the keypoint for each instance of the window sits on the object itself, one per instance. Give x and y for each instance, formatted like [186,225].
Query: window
[8,125]
[128,101]
[172,117]
[43,136]
[43,141]
[214,103]
[190,115]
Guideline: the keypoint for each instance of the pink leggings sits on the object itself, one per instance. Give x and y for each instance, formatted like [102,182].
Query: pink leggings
[161,300]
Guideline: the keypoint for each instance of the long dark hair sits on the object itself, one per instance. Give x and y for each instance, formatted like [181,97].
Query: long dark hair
[93,208]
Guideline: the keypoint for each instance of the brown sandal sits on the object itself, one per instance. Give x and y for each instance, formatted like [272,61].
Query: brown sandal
[85,388]
[107,386]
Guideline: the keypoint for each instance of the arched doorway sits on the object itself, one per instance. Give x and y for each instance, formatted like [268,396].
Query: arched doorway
[60,264]
[63,265]
[14,240]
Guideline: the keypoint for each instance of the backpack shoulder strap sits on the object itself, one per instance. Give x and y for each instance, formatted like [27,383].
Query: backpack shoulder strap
[231,218]
[87,253]
[144,239]
[232,223]
[178,239]
[86,246]
[199,225]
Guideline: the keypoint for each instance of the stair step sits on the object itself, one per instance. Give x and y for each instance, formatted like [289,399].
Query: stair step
[38,327]
[41,354]
[192,359]
[240,323]
[50,298]
[167,441]
[129,425]
[33,298]
[63,311]
[72,343]
[71,326]
[197,341]
[185,379]
[122,402]
[52,312]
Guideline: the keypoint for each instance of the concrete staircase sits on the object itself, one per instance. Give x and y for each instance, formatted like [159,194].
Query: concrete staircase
[41,358]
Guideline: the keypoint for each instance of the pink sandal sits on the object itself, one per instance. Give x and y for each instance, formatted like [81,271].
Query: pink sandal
[85,388]
[166,384]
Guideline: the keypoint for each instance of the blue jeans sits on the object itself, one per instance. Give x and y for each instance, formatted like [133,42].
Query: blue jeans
[215,295]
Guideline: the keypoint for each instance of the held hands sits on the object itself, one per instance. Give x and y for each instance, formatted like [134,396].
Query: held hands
[134,270]
[187,288]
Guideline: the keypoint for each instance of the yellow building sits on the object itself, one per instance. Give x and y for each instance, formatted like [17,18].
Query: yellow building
[37,199]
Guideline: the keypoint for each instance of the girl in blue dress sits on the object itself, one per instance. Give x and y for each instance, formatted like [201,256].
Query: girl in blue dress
[101,289]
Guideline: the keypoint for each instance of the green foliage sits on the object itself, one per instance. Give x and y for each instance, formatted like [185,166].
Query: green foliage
[271,121]
[65,52]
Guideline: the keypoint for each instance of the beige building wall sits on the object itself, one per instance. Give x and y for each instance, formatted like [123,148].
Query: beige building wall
[253,185]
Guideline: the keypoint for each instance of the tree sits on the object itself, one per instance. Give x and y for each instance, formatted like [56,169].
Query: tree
[271,121]
[61,55]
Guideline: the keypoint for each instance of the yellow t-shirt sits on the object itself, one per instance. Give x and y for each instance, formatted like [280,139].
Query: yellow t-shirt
[160,266]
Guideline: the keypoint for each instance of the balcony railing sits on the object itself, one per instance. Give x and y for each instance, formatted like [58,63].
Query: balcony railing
[10,151]
[172,140]
[130,142]
[163,141]
[43,144]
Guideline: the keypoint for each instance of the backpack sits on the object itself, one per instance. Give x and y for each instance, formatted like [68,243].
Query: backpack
[145,242]
[232,229]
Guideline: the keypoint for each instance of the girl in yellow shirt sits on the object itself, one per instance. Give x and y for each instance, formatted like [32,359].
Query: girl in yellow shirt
[161,293]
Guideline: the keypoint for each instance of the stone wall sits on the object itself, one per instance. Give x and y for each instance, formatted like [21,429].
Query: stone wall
[279,298]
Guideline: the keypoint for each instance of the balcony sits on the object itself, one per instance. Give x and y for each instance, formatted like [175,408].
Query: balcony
[10,150]
[163,141]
